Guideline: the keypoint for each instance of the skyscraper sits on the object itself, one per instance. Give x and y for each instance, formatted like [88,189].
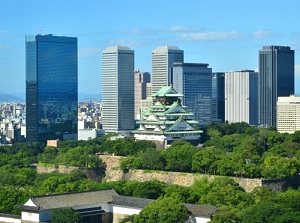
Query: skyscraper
[118,89]
[276,79]
[218,97]
[140,90]
[194,81]
[241,97]
[162,59]
[51,87]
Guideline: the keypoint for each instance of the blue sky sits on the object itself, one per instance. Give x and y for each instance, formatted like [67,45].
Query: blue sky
[225,34]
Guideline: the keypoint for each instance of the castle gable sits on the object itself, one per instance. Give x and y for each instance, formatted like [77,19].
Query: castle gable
[180,125]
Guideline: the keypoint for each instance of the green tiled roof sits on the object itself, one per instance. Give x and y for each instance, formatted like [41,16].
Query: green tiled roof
[164,133]
[166,91]
[170,114]
[167,122]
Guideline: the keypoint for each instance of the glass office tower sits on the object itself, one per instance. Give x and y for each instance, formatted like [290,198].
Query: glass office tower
[194,81]
[218,97]
[276,79]
[51,87]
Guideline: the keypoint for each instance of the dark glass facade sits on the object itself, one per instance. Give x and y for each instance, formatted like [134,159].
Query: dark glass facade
[218,97]
[276,79]
[51,87]
[194,81]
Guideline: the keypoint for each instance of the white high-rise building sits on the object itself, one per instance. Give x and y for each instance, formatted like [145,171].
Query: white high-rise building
[118,89]
[241,97]
[288,114]
[162,60]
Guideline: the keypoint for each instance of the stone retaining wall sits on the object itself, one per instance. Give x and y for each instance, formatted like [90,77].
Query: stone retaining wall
[58,168]
[113,173]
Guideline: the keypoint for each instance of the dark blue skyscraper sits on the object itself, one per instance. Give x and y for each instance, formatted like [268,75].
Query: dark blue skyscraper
[194,81]
[218,97]
[51,87]
[276,79]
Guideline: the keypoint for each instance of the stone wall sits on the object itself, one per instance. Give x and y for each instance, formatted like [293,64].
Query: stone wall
[113,173]
[58,168]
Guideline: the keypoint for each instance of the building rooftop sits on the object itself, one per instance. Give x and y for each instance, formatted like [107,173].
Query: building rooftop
[131,201]
[194,209]
[53,201]
[201,210]
[166,48]
[116,48]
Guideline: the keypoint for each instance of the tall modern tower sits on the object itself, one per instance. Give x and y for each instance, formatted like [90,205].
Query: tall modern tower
[276,79]
[140,90]
[241,97]
[118,89]
[218,97]
[194,81]
[162,60]
[51,87]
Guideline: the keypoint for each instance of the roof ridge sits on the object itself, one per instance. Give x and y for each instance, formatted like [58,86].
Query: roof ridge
[68,193]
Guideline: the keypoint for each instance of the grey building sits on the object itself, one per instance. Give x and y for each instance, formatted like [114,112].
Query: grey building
[218,97]
[162,59]
[194,81]
[241,97]
[51,87]
[276,79]
[118,89]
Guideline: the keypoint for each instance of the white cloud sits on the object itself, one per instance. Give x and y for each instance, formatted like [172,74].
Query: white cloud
[211,35]
[297,70]
[140,31]
[88,51]
[261,34]
[182,29]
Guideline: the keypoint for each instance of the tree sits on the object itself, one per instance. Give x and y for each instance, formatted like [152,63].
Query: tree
[203,160]
[151,159]
[150,189]
[179,156]
[163,210]
[280,167]
[226,215]
[65,215]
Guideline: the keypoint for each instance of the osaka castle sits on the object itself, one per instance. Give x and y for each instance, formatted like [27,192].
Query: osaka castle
[167,120]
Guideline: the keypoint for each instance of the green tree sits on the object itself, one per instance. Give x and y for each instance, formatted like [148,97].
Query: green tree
[280,167]
[163,210]
[151,159]
[226,214]
[150,189]
[203,159]
[65,215]
[179,156]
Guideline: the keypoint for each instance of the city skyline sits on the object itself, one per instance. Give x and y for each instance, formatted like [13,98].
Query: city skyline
[226,35]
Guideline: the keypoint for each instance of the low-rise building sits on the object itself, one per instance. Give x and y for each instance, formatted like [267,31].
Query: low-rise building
[105,206]
[288,114]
